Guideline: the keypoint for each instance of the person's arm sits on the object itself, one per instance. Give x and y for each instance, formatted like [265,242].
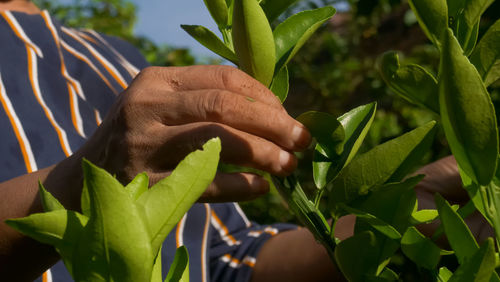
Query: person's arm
[296,256]
[162,116]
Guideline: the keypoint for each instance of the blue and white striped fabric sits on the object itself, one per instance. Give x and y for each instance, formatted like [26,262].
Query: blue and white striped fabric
[56,84]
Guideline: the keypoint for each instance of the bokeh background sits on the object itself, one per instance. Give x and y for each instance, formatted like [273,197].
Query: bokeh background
[334,72]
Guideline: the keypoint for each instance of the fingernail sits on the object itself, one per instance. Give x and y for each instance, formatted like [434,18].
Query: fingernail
[287,162]
[301,137]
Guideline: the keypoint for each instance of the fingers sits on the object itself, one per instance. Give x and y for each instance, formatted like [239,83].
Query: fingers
[237,187]
[235,111]
[214,77]
[238,147]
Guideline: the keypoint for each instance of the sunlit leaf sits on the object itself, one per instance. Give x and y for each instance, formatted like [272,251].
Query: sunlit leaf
[165,203]
[138,185]
[208,39]
[49,202]
[467,113]
[279,86]
[290,35]
[390,161]
[479,267]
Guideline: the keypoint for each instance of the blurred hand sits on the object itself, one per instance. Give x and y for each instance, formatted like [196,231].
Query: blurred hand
[442,177]
[167,113]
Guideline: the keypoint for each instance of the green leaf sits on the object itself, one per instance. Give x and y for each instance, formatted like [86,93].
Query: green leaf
[156,274]
[479,267]
[412,82]
[253,41]
[457,232]
[486,56]
[420,249]
[208,39]
[357,256]
[60,228]
[390,161]
[179,269]
[424,216]
[115,243]
[467,113]
[138,185]
[218,10]
[280,86]
[169,199]
[356,124]
[49,202]
[380,225]
[290,35]
[468,22]
[444,274]
[389,275]
[432,16]
[274,8]
[327,131]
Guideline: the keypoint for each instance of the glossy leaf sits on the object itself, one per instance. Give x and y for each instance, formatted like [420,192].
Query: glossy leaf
[327,131]
[218,10]
[274,8]
[179,269]
[138,185]
[253,41]
[156,274]
[164,204]
[390,161]
[280,86]
[486,56]
[479,267]
[103,253]
[357,256]
[432,16]
[49,203]
[290,35]
[420,249]
[424,216]
[208,39]
[444,274]
[467,113]
[457,232]
[356,124]
[412,82]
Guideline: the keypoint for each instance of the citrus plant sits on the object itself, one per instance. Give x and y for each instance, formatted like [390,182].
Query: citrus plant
[120,231]
[374,185]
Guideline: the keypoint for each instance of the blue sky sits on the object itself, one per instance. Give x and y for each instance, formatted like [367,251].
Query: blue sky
[160,20]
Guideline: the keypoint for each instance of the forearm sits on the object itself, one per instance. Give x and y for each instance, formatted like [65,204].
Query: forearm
[22,258]
[296,256]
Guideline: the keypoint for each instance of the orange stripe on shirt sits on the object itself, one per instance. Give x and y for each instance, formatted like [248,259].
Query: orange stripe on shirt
[16,28]
[18,131]
[60,133]
[106,64]
[225,231]
[89,63]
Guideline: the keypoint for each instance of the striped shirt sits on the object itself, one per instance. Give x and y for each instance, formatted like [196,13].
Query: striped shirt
[56,84]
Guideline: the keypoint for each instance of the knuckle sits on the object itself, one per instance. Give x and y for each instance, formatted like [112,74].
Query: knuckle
[215,104]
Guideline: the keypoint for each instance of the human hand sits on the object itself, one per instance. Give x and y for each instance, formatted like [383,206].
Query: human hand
[168,112]
[442,177]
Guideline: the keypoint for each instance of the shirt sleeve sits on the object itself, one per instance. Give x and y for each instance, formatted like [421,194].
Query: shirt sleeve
[236,242]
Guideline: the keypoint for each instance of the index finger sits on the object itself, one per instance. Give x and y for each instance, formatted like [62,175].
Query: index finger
[218,77]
